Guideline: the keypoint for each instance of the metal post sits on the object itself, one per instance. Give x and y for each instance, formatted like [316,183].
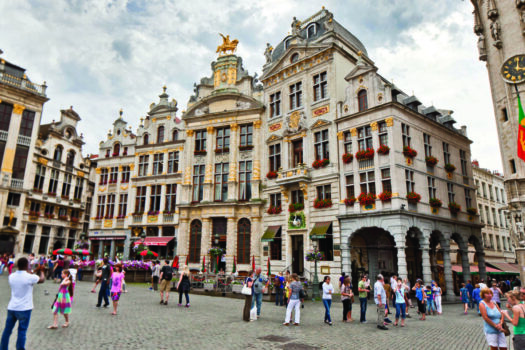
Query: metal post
[315,292]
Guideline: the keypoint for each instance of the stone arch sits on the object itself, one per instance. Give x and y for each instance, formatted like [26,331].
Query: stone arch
[414,242]
[195,235]
[57,156]
[244,230]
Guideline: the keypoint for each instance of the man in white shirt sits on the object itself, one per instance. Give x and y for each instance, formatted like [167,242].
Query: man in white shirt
[380,299]
[21,303]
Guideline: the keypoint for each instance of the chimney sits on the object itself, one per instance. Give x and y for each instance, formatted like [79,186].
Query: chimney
[464,130]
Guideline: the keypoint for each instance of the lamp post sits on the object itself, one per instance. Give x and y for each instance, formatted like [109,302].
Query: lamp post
[315,292]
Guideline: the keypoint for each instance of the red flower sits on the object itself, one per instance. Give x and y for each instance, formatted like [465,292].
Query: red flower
[454,207]
[449,168]
[409,152]
[293,207]
[347,158]
[413,197]
[366,198]
[274,210]
[435,203]
[271,175]
[472,211]
[320,163]
[431,161]
[383,149]
[385,196]
[322,203]
[350,201]
[365,154]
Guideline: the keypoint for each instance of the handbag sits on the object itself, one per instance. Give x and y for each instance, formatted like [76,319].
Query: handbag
[506,329]
[246,290]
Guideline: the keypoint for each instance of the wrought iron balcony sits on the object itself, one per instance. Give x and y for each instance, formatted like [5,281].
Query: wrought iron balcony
[17,183]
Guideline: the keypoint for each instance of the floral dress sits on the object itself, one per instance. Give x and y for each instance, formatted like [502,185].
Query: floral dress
[63,303]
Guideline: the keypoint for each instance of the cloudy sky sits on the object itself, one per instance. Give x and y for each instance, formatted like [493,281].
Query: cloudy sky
[100,56]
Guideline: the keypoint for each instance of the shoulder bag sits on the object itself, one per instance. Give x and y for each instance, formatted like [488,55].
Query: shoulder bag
[246,290]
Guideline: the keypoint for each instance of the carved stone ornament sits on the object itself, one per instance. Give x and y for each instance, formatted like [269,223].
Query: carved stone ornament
[222,158]
[243,104]
[202,111]
[295,122]
[245,155]
[268,53]
[199,160]
[329,23]
[481,48]
[495,31]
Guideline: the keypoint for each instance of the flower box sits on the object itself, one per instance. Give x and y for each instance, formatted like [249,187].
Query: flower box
[76,200]
[274,210]
[271,175]
[222,150]
[52,194]
[114,154]
[366,198]
[137,214]
[413,197]
[108,217]
[314,255]
[350,201]
[293,207]
[113,181]
[435,203]
[49,216]
[62,217]
[347,158]
[64,197]
[121,216]
[472,211]
[34,214]
[74,219]
[454,208]
[199,153]
[153,213]
[37,190]
[409,152]
[322,203]
[449,168]
[245,148]
[365,154]
[320,163]
[383,149]
[431,161]
[385,196]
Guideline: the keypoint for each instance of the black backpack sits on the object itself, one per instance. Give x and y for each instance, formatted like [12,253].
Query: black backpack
[167,273]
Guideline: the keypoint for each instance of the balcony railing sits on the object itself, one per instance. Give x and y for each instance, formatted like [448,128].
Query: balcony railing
[168,217]
[21,83]
[24,140]
[293,175]
[366,164]
[17,183]
[3,135]
[137,219]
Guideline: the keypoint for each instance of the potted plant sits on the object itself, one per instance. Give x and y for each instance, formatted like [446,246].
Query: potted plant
[435,203]
[274,210]
[271,174]
[383,149]
[222,150]
[293,207]
[454,208]
[320,163]
[322,203]
[413,197]
[153,213]
[472,211]
[52,194]
[366,198]
[385,196]
[209,285]
[347,158]
[431,161]
[409,152]
[365,154]
[236,286]
[350,201]
[449,168]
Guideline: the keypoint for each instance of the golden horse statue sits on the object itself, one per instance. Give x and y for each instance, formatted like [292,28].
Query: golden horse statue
[227,45]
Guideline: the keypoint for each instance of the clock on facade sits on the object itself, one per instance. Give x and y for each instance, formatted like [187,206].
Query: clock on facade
[513,69]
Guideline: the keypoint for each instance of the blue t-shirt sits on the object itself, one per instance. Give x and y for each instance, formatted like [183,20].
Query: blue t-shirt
[470,288]
[476,294]
[419,293]
[400,296]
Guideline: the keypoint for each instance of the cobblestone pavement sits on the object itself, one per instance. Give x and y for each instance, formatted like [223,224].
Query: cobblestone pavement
[216,323]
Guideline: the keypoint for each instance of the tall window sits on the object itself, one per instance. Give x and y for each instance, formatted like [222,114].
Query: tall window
[275,104]
[432,191]
[53,181]
[350,191]
[451,194]
[123,205]
[171,198]
[321,145]
[468,199]
[198,182]
[367,182]
[66,185]
[383,134]
[463,159]
[57,156]
[140,200]
[70,158]
[173,162]
[200,140]
[113,175]
[116,149]
[125,174]
[446,153]
[20,162]
[79,187]
[195,241]
[110,206]
[101,202]
[143,165]
[26,125]
[245,180]
[320,86]
[324,192]
[5,116]
[158,163]
[276,248]
[246,135]
[487,215]
[40,177]
[428,146]
[297,197]
[385,180]
[146,139]
[495,216]
[311,30]
[296,95]
[103,176]
[160,134]
[221,181]
[223,138]
[175,135]
[362,100]
[154,199]
[405,131]
[364,138]
[491,193]
[243,241]
[275,200]
[409,178]
[275,157]
[347,141]
[50,208]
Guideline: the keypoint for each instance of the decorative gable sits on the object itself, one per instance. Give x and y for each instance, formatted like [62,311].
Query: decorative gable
[320,123]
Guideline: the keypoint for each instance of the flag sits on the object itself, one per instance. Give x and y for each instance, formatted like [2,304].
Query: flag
[521,128]
[253,262]
[234,269]
[217,265]
[204,263]
[187,256]
[268,265]
[175,264]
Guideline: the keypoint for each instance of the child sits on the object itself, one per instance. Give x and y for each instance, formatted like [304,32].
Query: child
[464,296]
[63,301]
[476,297]
[98,276]
[117,278]
[421,299]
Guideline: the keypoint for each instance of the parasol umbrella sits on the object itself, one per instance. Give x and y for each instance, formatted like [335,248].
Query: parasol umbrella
[253,262]
[148,253]
[81,252]
[175,264]
[204,263]
[63,251]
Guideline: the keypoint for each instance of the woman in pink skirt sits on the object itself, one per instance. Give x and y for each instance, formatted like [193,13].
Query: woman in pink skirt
[117,278]
[63,301]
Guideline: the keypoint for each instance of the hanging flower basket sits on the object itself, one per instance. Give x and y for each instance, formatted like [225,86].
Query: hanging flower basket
[431,161]
[449,168]
[454,207]
[322,203]
[215,251]
[435,203]
[350,201]
[385,196]
[366,198]
[293,207]
[320,163]
[314,255]
[271,175]
[472,211]
[409,152]
[413,197]
[383,149]
[365,154]
[347,158]
[274,210]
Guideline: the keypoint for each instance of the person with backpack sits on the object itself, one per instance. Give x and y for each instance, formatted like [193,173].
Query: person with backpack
[278,284]
[166,275]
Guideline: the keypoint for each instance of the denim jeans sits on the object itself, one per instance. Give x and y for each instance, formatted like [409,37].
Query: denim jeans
[364,304]
[430,306]
[257,299]
[103,293]
[279,297]
[327,304]
[23,318]
[471,302]
[401,309]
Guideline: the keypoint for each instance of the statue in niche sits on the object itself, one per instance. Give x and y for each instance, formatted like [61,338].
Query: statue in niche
[481,47]
[495,31]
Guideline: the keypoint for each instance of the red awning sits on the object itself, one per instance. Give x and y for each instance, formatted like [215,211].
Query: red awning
[473,269]
[506,267]
[158,241]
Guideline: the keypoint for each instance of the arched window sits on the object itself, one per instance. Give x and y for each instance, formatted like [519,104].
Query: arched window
[175,135]
[195,241]
[70,159]
[294,58]
[146,139]
[160,134]
[58,153]
[116,150]
[287,43]
[362,100]
[311,30]
[243,241]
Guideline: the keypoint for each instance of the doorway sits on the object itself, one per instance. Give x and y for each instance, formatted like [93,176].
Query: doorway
[297,149]
[298,255]
[219,240]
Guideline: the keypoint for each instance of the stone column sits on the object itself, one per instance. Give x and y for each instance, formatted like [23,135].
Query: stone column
[399,237]
[205,236]
[100,249]
[255,244]
[481,265]
[127,242]
[183,241]
[10,146]
[160,231]
[447,267]
[38,237]
[112,250]
[208,173]
[346,258]
[256,157]
[465,264]
[427,272]
[231,243]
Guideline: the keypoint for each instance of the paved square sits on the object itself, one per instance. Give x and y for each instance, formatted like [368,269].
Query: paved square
[216,323]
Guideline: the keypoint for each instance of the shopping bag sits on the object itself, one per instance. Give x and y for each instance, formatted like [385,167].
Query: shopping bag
[246,290]
[253,313]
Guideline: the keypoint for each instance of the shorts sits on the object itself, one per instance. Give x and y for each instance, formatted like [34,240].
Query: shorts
[165,285]
[496,340]
[115,296]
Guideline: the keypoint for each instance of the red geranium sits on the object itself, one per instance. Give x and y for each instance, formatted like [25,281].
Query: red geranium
[383,149]
[271,175]
[409,152]
[320,163]
[385,196]
[413,197]
[366,198]
[365,154]
[347,158]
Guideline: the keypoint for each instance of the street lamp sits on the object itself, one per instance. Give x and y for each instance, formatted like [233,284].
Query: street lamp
[315,292]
